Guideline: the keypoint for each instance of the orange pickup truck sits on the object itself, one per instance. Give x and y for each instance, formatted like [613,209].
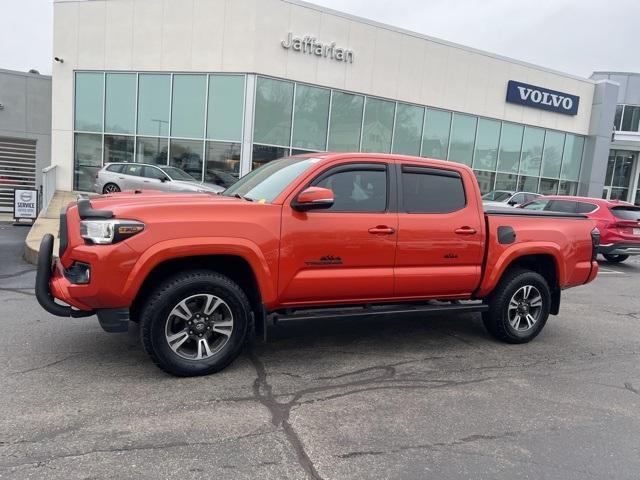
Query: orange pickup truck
[309,236]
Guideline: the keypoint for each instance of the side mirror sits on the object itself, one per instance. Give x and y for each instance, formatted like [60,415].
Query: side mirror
[164,179]
[313,198]
[513,203]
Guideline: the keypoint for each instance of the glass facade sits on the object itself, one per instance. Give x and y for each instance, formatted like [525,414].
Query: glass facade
[617,182]
[195,121]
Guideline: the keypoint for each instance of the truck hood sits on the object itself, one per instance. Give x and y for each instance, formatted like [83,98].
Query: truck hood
[143,199]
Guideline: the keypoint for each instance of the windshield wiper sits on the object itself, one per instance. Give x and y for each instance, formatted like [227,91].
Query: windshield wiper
[237,195]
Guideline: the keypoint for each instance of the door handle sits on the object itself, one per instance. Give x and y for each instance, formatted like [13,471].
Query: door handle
[465,231]
[382,229]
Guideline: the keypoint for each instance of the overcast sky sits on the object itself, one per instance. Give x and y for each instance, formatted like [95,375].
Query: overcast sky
[575,36]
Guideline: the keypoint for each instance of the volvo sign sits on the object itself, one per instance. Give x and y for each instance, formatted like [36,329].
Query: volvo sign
[25,203]
[539,97]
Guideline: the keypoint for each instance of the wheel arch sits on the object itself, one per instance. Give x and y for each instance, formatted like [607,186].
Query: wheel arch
[235,267]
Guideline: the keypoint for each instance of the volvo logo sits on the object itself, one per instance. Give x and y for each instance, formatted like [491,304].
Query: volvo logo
[543,98]
[26,196]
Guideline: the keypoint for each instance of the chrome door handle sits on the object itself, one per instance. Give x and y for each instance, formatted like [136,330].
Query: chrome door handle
[382,230]
[465,231]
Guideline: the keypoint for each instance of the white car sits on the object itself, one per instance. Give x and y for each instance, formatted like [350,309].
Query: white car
[116,177]
[503,198]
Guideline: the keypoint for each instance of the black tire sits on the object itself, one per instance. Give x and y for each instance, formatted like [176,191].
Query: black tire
[615,258]
[155,317]
[496,319]
[110,188]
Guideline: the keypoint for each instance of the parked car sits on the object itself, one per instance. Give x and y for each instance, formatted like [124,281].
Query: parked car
[116,177]
[302,237]
[618,222]
[502,198]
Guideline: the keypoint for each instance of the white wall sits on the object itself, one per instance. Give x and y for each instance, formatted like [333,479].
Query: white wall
[245,36]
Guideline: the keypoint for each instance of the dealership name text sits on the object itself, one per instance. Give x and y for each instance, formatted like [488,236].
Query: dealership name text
[312,46]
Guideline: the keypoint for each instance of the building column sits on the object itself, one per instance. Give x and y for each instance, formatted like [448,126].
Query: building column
[597,145]
[247,125]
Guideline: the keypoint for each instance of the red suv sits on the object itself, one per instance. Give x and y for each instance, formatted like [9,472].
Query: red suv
[618,222]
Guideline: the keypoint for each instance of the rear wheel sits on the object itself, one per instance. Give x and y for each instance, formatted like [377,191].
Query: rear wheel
[615,258]
[195,323]
[110,188]
[518,307]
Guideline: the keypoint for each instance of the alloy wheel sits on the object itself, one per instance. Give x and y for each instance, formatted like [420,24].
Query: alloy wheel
[525,308]
[199,326]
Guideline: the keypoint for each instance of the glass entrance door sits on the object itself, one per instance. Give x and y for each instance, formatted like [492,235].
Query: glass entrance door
[618,183]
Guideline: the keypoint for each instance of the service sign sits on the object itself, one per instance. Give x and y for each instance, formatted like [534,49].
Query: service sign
[25,203]
[539,97]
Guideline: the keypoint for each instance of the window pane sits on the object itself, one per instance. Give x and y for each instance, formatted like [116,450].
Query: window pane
[552,154]
[120,103]
[87,160]
[568,188]
[357,191]
[152,172]
[426,193]
[264,154]
[463,134]
[506,181]
[622,171]
[564,206]
[485,181]
[610,166]
[532,144]
[89,101]
[630,118]
[151,150]
[408,129]
[572,157]
[187,155]
[378,124]
[274,103]
[187,107]
[311,117]
[222,163]
[118,148]
[618,118]
[619,194]
[486,153]
[346,121]
[153,104]
[548,186]
[510,145]
[527,184]
[435,140]
[226,107]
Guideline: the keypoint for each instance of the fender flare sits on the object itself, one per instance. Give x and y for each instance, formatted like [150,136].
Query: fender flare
[201,246]
[512,254]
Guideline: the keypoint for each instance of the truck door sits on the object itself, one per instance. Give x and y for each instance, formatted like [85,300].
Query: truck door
[440,234]
[346,252]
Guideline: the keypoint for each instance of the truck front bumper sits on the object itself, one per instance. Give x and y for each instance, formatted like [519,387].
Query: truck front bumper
[50,286]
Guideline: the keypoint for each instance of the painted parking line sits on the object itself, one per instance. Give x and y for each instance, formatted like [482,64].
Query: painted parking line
[609,271]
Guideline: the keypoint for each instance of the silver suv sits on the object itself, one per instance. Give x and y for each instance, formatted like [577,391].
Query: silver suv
[115,177]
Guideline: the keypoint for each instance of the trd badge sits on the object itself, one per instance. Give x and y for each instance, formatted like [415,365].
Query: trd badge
[326,260]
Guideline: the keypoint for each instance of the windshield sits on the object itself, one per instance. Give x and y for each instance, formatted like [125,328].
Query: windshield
[267,182]
[496,196]
[177,174]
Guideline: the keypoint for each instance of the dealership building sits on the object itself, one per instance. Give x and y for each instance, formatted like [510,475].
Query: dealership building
[219,87]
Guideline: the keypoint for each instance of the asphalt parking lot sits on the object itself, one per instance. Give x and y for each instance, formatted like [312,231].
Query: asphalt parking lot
[388,397]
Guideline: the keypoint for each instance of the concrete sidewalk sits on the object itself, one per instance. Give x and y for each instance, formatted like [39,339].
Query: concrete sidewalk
[47,222]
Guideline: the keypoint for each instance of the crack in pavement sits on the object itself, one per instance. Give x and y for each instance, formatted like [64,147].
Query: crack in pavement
[631,388]
[40,367]
[16,274]
[130,448]
[29,291]
[263,393]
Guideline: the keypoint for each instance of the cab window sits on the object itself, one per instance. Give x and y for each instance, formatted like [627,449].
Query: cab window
[356,188]
[431,190]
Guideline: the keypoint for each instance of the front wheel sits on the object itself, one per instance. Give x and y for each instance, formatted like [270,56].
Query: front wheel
[195,323]
[615,258]
[518,307]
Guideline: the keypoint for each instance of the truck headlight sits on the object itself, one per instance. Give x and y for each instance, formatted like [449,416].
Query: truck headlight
[103,232]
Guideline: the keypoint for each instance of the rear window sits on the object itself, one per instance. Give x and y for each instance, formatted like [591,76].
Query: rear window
[626,213]
[117,168]
[428,190]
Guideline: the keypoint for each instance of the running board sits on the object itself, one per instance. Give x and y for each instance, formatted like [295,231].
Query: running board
[429,309]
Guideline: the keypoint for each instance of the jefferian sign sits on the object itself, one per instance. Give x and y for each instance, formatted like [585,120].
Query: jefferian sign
[25,203]
[539,97]
[310,45]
